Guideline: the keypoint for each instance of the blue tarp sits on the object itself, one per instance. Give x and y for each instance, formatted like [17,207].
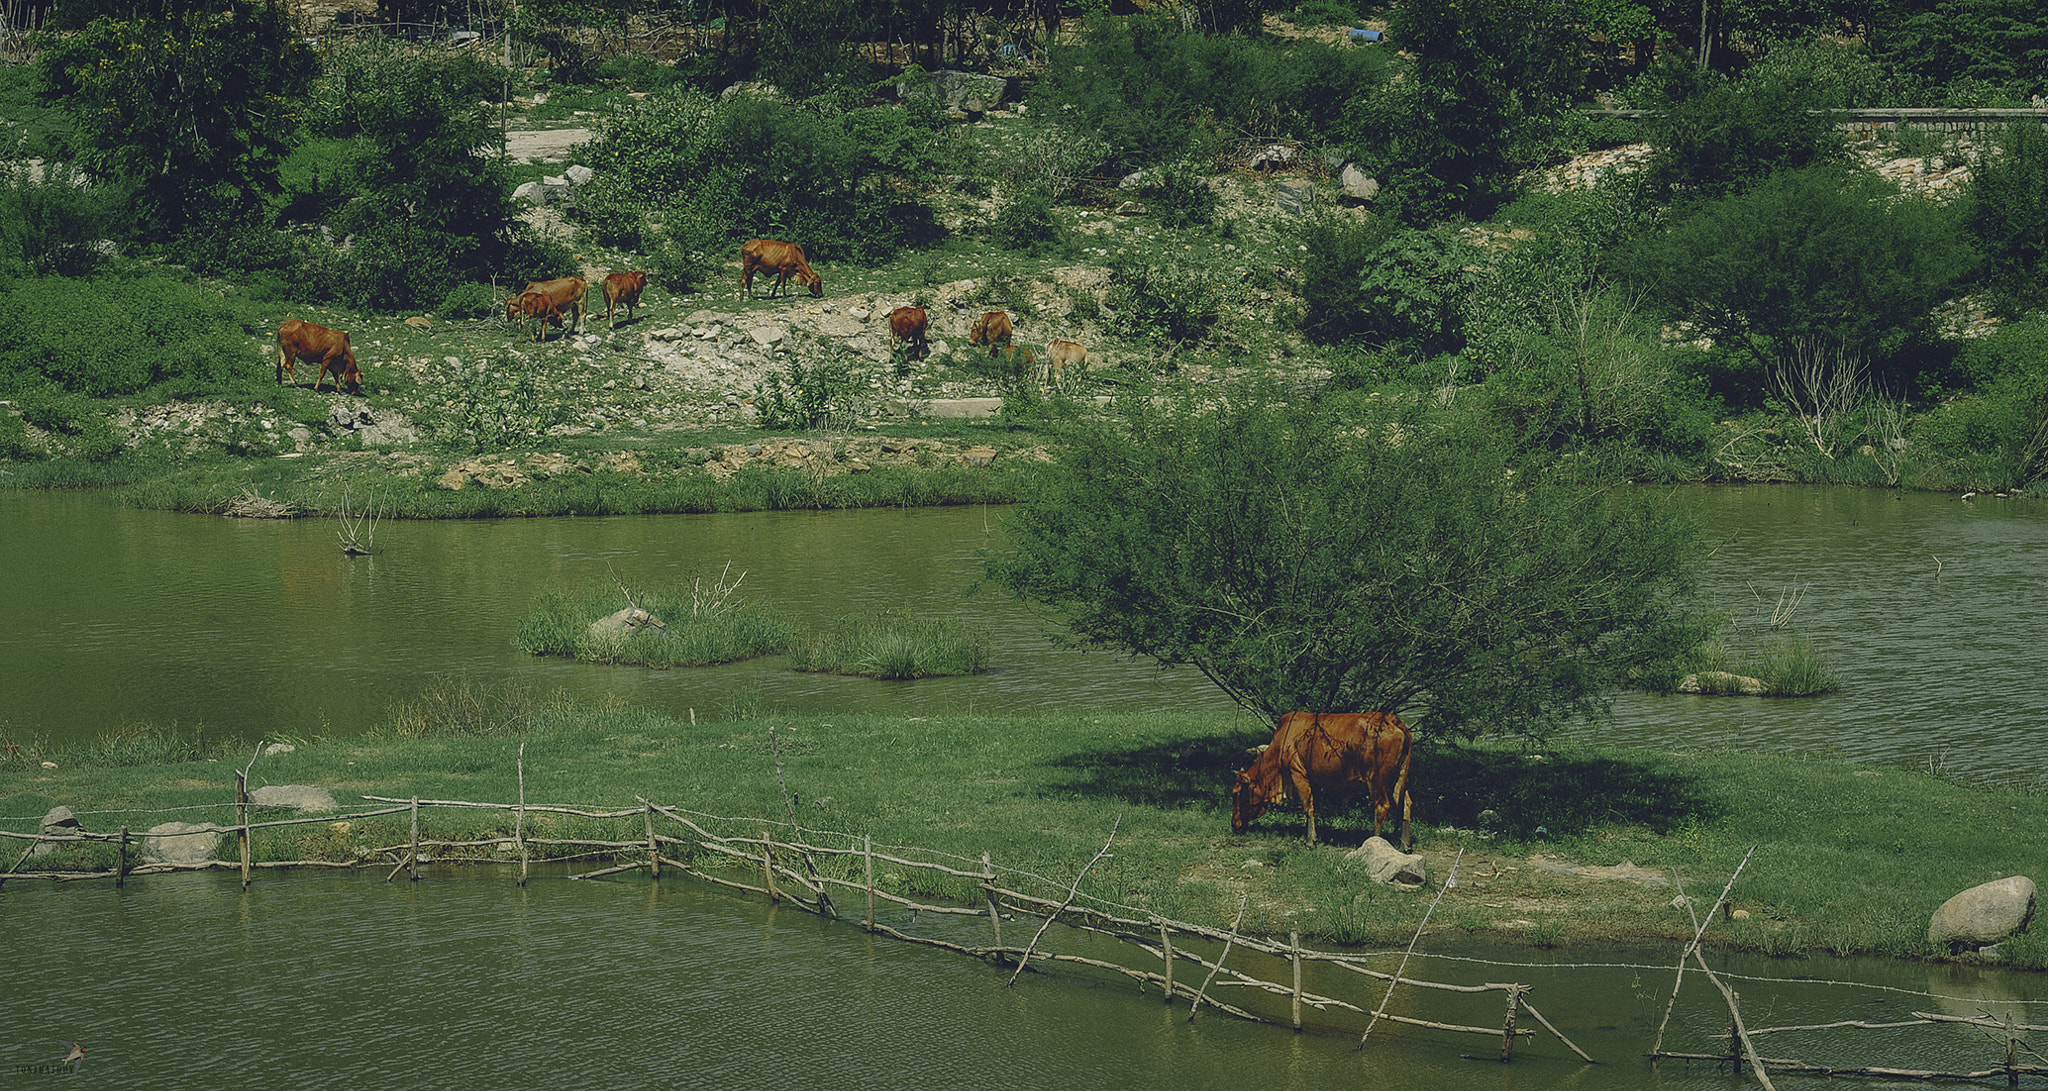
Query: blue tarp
[1361,35]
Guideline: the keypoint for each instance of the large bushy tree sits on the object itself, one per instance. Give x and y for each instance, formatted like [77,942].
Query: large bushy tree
[1303,558]
[193,104]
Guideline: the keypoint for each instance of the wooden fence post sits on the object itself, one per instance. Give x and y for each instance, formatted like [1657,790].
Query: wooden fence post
[867,843]
[1294,955]
[653,846]
[1507,1038]
[519,820]
[242,821]
[1166,949]
[995,913]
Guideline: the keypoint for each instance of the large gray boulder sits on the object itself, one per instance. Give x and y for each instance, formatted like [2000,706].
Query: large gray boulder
[180,843]
[298,797]
[1984,914]
[956,90]
[1389,865]
[626,622]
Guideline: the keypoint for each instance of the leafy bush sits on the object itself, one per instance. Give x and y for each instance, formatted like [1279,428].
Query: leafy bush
[1178,194]
[54,328]
[823,395]
[1821,256]
[49,224]
[2008,217]
[1023,221]
[1168,303]
[1388,285]
[496,404]
[1732,135]
[470,301]
[841,182]
[1332,275]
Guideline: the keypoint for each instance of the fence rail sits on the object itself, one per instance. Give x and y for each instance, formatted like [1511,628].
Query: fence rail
[785,867]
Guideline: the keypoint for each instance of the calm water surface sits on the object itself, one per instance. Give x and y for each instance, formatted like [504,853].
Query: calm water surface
[346,981]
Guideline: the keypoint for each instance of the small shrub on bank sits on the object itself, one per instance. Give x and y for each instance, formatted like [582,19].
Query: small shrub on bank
[894,646]
[692,626]
[818,396]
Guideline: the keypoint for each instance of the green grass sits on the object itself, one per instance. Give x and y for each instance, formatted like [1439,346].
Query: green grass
[892,645]
[1850,859]
[693,626]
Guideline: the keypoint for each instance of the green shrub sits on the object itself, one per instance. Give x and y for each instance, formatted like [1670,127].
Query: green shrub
[1731,135]
[1167,303]
[495,404]
[14,441]
[827,394]
[471,301]
[892,645]
[53,328]
[2008,217]
[1178,194]
[1024,222]
[49,224]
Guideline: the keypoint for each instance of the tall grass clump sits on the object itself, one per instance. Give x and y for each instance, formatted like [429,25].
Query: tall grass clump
[893,645]
[690,626]
[461,705]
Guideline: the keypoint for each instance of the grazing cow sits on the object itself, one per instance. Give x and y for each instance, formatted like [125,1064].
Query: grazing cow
[785,259]
[300,340]
[1061,355]
[908,324]
[1329,754]
[566,294]
[623,288]
[991,329]
[537,308]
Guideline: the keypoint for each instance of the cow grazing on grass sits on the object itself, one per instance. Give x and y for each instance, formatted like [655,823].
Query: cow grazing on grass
[1061,357]
[565,294]
[785,259]
[301,340]
[991,329]
[623,289]
[908,324]
[1331,756]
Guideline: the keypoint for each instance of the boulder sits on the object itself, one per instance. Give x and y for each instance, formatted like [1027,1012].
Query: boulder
[1294,195]
[62,822]
[1274,157]
[1358,185]
[580,175]
[1721,683]
[298,797]
[180,843]
[956,90]
[1389,865]
[1984,914]
[627,622]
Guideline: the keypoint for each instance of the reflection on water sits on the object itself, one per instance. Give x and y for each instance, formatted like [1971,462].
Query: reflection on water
[344,980]
[1930,609]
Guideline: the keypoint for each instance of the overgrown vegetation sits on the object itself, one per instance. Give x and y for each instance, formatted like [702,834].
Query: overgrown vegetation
[892,645]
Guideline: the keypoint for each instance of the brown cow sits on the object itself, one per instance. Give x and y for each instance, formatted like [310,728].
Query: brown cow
[1331,754]
[566,293]
[1061,355]
[300,340]
[991,329]
[537,308]
[908,324]
[785,259]
[623,288]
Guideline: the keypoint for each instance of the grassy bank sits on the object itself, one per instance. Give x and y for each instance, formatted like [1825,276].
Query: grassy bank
[1850,859]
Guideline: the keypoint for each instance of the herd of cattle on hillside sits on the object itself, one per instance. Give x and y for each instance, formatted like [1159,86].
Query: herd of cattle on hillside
[1331,756]
[542,305]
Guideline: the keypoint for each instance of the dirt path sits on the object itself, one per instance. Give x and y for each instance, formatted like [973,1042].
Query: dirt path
[544,145]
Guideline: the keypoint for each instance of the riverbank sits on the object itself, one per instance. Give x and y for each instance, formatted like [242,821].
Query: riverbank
[1574,847]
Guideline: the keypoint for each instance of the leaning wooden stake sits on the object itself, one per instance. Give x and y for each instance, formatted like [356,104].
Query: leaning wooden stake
[1450,883]
[1742,1045]
[1196,1004]
[1166,949]
[768,867]
[1072,893]
[1699,929]
[1507,1034]
[519,819]
[995,912]
[867,844]
[653,846]
[415,861]
[242,821]
[1294,956]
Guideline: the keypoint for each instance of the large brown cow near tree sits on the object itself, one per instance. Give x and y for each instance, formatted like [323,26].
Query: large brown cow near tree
[785,259]
[1329,756]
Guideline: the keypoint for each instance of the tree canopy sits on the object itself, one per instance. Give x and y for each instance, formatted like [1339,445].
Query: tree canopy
[1303,558]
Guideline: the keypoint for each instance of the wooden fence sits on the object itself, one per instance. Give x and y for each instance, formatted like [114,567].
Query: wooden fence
[791,865]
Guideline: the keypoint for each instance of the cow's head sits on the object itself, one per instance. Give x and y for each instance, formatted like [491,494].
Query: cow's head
[351,376]
[1247,802]
[812,281]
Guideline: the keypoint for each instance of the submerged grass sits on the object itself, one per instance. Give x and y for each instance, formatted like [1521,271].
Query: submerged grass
[1850,859]
[892,645]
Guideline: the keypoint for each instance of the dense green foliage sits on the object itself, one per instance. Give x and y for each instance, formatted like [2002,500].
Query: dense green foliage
[1820,256]
[2008,218]
[892,645]
[175,334]
[1306,558]
[192,104]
